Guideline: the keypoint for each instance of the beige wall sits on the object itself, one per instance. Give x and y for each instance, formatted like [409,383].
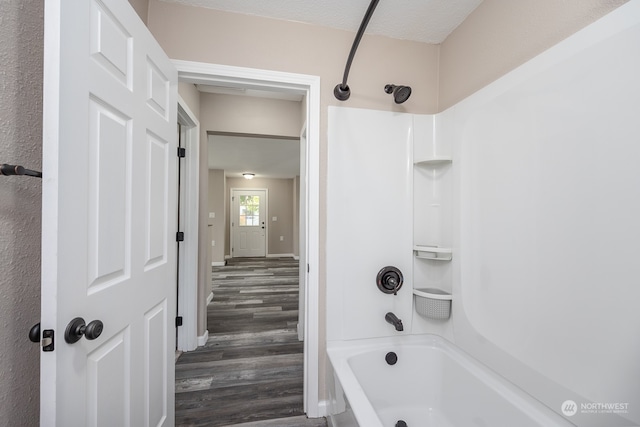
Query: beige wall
[21,32]
[246,115]
[217,205]
[191,96]
[207,35]
[501,35]
[280,205]
[141,7]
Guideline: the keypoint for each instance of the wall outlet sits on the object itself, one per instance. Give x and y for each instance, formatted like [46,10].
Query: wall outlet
[212,214]
[213,243]
[282,238]
[275,218]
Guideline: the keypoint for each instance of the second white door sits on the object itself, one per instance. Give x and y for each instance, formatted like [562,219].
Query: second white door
[248,223]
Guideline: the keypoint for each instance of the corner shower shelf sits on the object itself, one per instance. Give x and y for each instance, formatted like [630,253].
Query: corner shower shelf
[432,293]
[432,253]
[434,161]
[432,303]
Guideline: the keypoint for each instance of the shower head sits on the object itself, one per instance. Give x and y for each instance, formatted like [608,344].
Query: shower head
[400,93]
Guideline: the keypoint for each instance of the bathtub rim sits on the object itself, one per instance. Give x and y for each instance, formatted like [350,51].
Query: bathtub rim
[339,353]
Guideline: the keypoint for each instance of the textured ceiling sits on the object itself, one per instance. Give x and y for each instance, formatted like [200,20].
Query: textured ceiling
[429,21]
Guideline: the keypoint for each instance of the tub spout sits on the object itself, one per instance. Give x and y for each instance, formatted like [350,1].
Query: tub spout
[393,319]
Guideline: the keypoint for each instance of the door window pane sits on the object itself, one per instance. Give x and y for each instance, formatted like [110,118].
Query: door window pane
[249,211]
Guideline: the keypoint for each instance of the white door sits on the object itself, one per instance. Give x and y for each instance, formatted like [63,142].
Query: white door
[249,223]
[109,218]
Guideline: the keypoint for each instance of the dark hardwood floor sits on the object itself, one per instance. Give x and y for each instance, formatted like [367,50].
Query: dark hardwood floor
[249,374]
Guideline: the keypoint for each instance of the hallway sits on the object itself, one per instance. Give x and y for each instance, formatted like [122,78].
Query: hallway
[249,374]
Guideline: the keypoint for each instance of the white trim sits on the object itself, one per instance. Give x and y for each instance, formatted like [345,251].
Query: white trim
[202,339]
[188,257]
[302,237]
[209,298]
[197,72]
[218,263]
[312,294]
[50,168]
[323,408]
[280,256]
[296,257]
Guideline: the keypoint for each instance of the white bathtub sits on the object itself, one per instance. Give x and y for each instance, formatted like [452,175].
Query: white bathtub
[432,384]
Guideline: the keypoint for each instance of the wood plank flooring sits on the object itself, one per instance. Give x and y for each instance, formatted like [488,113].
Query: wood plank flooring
[249,374]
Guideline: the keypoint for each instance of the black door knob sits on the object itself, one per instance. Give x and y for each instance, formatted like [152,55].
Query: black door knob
[34,333]
[77,328]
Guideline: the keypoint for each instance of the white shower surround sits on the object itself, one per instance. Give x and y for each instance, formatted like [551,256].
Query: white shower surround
[546,204]
[369,189]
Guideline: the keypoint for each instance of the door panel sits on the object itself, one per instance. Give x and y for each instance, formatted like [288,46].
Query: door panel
[109,195]
[108,373]
[109,217]
[157,160]
[155,359]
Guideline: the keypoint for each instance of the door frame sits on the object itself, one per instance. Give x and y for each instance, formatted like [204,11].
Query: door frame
[309,86]
[188,252]
[232,216]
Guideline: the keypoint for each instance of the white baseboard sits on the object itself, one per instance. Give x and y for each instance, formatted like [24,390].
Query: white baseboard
[209,298]
[202,339]
[323,408]
[218,263]
[269,256]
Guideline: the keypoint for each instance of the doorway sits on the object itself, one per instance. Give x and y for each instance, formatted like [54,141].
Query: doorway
[248,219]
[309,87]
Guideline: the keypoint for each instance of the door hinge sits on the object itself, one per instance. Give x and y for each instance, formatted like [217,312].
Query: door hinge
[48,340]
[182,152]
[233,198]
[308,269]
[178,321]
[180,236]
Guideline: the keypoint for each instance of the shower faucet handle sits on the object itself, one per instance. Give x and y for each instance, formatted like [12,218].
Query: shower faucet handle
[389,280]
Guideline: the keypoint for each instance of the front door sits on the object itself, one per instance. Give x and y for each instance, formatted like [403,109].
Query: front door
[109,219]
[249,223]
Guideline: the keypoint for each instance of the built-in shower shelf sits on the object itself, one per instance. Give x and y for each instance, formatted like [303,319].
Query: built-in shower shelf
[432,252]
[432,293]
[434,161]
[432,303]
